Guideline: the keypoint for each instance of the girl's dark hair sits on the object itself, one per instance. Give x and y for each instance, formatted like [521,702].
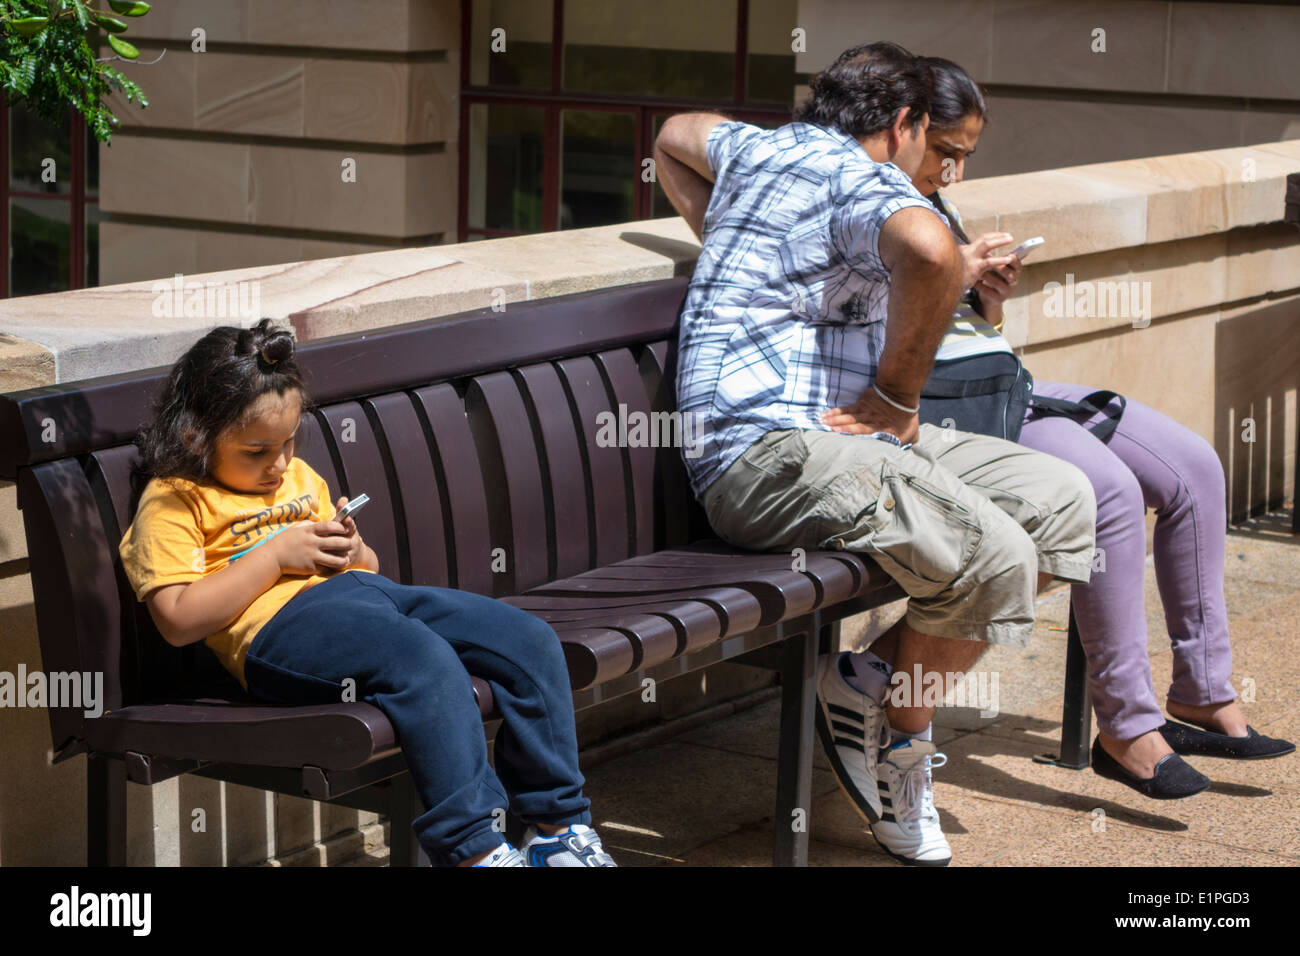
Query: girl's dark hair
[213,386]
[954,95]
[863,91]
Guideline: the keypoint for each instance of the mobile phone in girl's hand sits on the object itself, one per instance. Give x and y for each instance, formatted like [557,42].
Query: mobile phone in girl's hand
[352,507]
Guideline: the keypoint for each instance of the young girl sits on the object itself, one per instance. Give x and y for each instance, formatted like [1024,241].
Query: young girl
[234,543]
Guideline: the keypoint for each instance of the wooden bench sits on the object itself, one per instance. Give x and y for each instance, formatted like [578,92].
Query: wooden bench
[470,434]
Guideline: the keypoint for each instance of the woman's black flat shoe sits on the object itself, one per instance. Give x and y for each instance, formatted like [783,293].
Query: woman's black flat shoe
[1174,777]
[1194,741]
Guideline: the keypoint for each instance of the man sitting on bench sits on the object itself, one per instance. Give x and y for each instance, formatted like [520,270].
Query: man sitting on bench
[823,287]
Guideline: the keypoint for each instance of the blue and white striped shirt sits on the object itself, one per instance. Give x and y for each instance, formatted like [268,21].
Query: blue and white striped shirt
[785,315]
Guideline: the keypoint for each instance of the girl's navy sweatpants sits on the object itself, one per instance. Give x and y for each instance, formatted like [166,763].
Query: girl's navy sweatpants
[410,652]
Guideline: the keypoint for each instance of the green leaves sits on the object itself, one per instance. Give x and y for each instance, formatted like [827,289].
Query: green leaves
[28,26]
[50,54]
[123,49]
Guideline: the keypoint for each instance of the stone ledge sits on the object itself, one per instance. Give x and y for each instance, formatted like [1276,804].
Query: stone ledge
[1105,206]
[349,293]
[26,364]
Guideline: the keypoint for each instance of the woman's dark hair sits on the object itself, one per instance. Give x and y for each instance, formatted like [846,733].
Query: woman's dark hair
[954,95]
[213,386]
[863,91]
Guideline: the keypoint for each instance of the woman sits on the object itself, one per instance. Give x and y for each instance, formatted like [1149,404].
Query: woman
[1148,461]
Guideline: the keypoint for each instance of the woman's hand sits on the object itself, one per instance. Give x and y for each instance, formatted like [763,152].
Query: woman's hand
[313,547]
[997,285]
[976,262]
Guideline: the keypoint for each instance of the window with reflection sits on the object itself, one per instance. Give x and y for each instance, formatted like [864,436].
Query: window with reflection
[561,102]
[49,213]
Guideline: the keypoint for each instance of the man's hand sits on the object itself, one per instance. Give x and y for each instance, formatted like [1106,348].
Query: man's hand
[870,414]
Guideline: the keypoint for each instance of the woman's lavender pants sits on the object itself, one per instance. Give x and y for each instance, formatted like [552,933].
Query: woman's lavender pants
[1150,461]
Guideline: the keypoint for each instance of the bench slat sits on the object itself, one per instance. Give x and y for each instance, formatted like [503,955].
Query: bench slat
[629,393]
[561,448]
[398,428]
[511,479]
[462,481]
[673,517]
[364,469]
[607,486]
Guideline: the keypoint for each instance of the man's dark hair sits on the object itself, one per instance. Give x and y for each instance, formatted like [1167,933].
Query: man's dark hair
[862,92]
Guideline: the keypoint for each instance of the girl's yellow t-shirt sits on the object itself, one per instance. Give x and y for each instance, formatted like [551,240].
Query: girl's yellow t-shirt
[184,531]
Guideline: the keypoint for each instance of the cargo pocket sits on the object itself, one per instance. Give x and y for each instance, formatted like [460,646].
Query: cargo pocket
[850,511]
[921,536]
[757,499]
[781,453]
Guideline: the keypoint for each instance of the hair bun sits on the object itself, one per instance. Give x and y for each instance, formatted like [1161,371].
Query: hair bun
[276,345]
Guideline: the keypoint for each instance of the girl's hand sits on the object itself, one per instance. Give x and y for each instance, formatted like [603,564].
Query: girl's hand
[976,261]
[356,548]
[311,547]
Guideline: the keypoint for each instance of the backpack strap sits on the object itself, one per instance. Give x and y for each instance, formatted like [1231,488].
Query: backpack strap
[1090,405]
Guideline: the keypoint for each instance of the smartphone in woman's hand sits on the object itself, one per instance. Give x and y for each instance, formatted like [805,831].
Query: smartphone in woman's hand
[1026,247]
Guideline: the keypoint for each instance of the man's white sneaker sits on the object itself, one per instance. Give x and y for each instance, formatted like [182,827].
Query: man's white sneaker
[908,828]
[852,729]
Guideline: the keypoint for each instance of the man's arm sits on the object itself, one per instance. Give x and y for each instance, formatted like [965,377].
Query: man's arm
[925,273]
[682,164]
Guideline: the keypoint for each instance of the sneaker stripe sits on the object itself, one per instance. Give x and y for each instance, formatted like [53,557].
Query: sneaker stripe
[839,711]
[853,744]
[848,729]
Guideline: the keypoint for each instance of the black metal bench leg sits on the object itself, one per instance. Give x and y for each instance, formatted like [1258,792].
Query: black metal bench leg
[1295,487]
[403,848]
[1076,714]
[105,811]
[794,763]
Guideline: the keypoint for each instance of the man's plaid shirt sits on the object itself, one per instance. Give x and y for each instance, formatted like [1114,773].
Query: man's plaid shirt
[785,315]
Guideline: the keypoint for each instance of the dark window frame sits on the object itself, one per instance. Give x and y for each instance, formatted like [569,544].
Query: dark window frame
[77,195]
[644,109]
